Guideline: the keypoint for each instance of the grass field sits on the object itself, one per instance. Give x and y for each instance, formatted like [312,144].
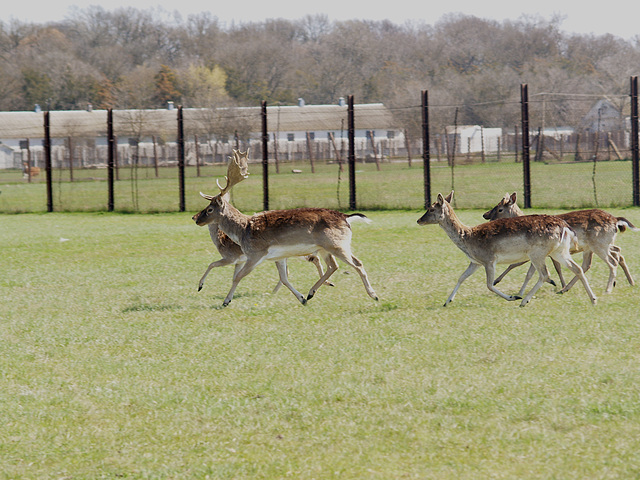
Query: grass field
[395,186]
[114,366]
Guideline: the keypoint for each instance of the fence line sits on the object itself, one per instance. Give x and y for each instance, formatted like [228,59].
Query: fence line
[446,145]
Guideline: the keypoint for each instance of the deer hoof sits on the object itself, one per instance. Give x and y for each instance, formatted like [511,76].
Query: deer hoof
[303,301]
[310,296]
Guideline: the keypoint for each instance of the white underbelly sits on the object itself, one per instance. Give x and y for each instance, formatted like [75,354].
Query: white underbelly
[515,257]
[277,252]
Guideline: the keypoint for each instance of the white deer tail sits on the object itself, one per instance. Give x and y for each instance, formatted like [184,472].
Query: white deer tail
[358,217]
[569,238]
[623,224]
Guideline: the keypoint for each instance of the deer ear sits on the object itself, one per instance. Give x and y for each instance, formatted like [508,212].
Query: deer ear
[512,201]
[449,197]
[440,199]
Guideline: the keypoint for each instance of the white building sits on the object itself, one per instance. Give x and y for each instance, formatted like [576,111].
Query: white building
[475,139]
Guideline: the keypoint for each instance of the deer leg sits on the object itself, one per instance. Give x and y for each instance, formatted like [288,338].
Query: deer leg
[466,274]
[282,270]
[246,269]
[279,284]
[507,270]
[219,263]
[490,271]
[543,275]
[625,269]
[612,260]
[344,253]
[332,266]
[575,268]
[616,251]
[528,277]
[587,258]
[359,267]
[316,261]
[558,268]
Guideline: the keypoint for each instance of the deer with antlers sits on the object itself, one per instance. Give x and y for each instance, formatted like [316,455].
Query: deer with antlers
[230,251]
[280,234]
[508,240]
[232,254]
[596,231]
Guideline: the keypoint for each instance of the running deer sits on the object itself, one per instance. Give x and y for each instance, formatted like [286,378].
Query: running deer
[230,251]
[596,231]
[280,234]
[508,240]
[232,254]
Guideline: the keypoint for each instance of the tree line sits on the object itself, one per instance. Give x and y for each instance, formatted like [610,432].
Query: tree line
[129,58]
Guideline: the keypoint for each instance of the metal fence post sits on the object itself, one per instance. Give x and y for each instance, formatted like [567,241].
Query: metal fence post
[352,153]
[524,98]
[110,159]
[426,152]
[634,141]
[181,159]
[47,161]
[265,158]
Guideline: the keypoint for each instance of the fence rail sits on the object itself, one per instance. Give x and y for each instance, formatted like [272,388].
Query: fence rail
[541,164]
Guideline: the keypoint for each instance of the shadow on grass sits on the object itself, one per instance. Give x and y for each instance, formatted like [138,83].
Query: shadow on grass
[146,307]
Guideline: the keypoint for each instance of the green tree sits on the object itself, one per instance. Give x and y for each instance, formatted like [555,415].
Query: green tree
[167,89]
[36,87]
[203,86]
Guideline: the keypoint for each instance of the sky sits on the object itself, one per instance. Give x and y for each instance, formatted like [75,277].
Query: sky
[617,18]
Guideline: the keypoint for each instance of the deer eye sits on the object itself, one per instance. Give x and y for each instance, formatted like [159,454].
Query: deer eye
[209,210]
[500,210]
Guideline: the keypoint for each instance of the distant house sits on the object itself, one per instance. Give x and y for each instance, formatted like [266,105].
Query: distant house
[475,139]
[6,157]
[604,116]
[289,123]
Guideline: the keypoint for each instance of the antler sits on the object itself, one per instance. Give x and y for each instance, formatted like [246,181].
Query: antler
[237,170]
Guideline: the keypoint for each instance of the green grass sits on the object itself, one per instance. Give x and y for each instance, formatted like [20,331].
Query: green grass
[112,365]
[396,186]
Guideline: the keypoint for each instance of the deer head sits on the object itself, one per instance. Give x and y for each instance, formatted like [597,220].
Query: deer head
[237,171]
[435,212]
[507,207]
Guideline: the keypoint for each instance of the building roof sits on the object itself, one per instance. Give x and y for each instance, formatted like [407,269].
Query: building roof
[83,123]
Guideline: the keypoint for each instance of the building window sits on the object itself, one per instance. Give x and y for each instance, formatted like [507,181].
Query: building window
[391,134]
[290,137]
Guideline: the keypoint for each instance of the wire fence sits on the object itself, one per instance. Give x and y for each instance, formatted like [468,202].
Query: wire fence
[581,151]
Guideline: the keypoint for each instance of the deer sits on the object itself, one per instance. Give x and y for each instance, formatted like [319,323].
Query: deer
[232,254]
[230,251]
[30,170]
[277,235]
[507,240]
[596,231]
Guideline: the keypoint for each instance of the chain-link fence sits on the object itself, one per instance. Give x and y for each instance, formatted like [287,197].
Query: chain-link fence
[580,154]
